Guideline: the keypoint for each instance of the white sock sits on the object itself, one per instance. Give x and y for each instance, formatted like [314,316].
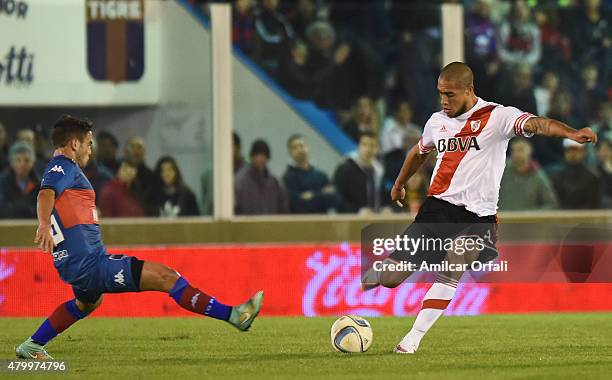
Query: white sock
[434,303]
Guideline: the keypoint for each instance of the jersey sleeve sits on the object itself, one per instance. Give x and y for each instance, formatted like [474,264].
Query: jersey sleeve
[426,143]
[513,122]
[57,177]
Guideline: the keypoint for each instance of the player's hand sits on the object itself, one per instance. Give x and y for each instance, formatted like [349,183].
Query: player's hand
[397,195]
[43,238]
[584,135]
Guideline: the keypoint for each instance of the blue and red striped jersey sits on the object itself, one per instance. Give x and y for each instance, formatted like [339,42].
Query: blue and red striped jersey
[74,222]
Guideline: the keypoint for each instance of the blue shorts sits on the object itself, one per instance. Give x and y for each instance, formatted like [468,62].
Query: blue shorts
[112,274]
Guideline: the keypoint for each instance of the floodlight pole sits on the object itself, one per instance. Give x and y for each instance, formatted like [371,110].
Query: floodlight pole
[452,33]
[221,60]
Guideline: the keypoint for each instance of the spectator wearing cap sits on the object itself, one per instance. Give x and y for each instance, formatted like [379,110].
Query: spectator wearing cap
[310,190]
[257,191]
[19,186]
[577,187]
[107,151]
[536,191]
[358,180]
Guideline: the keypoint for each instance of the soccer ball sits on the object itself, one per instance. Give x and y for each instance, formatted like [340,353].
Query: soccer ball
[351,333]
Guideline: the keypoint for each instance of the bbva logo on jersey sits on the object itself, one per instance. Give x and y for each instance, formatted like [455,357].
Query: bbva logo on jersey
[454,144]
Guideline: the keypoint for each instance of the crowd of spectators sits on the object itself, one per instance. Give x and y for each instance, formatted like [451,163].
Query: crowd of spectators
[124,187]
[374,64]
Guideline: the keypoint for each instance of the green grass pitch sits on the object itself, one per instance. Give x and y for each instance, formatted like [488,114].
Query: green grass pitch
[542,346]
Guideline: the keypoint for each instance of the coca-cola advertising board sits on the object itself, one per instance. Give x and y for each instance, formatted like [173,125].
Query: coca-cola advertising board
[298,279]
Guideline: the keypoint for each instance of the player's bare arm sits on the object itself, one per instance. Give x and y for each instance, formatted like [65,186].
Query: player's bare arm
[413,161]
[544,126]
[44,208]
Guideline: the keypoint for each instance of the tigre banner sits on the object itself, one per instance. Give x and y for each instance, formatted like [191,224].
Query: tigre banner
[308,280]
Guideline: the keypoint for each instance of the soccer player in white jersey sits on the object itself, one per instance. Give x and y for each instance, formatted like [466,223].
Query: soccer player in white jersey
[471,136]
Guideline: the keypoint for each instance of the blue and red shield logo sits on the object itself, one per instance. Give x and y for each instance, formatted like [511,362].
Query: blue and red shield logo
[115,39]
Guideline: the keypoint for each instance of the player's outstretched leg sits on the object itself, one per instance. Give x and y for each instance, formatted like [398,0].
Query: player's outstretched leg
[63,317]
[435,302]
[159,277]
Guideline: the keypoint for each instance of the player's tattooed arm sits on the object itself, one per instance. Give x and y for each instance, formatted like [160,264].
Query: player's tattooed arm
[412,163]
[44,208]
[544,126]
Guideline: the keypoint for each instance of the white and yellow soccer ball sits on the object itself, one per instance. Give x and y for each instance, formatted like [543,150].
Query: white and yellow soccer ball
[351,333]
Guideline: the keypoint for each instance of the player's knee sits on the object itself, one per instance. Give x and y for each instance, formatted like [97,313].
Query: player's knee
[388,280]
[168,277]
[87,307]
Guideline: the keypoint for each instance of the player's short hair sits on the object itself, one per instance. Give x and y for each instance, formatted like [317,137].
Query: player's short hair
[105,135]
[21,147]
[69,127]
[458,72]
[260,147]
[292,138]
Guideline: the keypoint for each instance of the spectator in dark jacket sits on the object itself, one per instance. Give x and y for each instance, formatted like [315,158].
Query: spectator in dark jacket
[97,174]
[144,184]
[309,189]
[519,89]
[243,25]
[358,180]
[117,198]
[173,197]
[304,14]
[273,36]
[19,186]
[257,191]
[107,146]
[592,37]
[342,71]
[576,185]
[549,152]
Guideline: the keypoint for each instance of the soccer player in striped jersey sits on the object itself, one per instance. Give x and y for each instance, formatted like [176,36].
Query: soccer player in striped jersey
[471,136]
[68,229]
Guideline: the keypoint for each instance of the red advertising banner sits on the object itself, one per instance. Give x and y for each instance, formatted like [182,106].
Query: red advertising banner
[305,280]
